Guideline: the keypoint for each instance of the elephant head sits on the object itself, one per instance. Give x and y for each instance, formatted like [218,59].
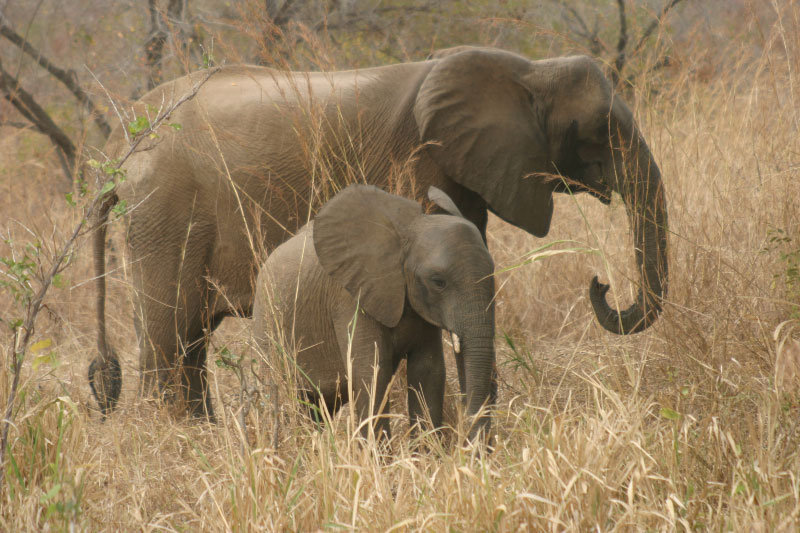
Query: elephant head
[515,131]
[389,255]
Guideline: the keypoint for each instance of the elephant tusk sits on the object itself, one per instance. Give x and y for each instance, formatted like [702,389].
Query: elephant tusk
[456,343]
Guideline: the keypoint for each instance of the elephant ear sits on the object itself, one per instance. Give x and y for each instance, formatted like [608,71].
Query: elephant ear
[476,114]
[358,237]
[440,198]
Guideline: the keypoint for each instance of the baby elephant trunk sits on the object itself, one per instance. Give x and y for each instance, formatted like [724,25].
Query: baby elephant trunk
[476,346]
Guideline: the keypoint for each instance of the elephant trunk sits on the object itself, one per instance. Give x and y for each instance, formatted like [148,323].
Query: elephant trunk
[478,357]
[643,193]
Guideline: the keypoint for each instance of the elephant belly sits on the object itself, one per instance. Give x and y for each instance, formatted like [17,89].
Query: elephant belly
[324,369]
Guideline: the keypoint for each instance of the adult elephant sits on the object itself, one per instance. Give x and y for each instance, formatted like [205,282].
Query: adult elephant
[260,150]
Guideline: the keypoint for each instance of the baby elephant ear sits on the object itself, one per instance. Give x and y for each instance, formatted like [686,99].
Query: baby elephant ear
[359,243]
[440,198]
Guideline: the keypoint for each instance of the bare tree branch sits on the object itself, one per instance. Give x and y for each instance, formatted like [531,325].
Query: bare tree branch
[67,77]
[29,108]
[274,28]
[154,46]
[31,126]
[596,46]
[619,63]
[622,50]
[18,125]
[284,14]
[578,18]
[654,24]
[622,42]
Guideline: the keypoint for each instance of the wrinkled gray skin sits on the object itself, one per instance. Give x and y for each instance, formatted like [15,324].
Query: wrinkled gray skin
[411,274]
[248,169]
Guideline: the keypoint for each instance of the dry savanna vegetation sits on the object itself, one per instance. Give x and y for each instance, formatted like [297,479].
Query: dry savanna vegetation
[690,425]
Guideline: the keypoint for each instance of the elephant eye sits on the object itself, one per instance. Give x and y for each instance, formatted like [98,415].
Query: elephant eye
[438,282]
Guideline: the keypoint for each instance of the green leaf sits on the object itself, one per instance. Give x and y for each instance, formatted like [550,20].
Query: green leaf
[227,359]
[107,187]
[175,126]
[120,208]
[94,163]
[139,125]
[70,201]
[50,359]
[510,342]
[52,493]
[59,282]
[669,414]
[41,345]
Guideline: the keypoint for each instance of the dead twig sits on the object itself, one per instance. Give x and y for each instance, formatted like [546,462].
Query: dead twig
[67,77]
[29,108]
[622,51]
[654,24]
[622,42]
[154,46]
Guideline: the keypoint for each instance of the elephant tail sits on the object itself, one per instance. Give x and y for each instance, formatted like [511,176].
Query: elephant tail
[105,373]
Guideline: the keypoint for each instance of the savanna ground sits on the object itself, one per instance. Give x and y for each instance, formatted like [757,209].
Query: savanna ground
[692,424]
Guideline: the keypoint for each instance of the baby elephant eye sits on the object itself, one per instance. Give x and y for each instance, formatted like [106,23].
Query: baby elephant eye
[438,282]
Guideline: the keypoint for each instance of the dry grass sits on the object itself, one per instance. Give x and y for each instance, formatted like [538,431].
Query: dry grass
[685,426]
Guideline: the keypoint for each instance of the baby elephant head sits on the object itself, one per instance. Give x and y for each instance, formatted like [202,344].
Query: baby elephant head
[387,253]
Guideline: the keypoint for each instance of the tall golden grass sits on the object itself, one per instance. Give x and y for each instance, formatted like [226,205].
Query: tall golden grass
[689,425]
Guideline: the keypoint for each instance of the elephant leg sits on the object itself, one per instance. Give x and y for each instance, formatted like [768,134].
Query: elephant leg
[173,363]
[426,375]
[194,374]
[172,334]
[369,384]
[315,404]
[371,399]
[158,348]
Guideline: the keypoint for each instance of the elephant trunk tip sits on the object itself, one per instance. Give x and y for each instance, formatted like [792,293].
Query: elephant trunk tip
[105,380]
[481,430]
[637,318]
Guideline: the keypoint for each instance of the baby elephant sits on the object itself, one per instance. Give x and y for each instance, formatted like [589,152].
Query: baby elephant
[410,275]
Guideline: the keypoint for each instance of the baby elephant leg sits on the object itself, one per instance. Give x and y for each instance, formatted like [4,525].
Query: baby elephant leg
[371,373]
[426,375]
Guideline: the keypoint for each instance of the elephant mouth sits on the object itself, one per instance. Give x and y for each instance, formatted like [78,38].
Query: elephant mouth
[601,192]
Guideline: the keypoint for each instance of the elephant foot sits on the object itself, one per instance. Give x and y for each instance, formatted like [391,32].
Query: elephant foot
[201,410]
[105,379]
